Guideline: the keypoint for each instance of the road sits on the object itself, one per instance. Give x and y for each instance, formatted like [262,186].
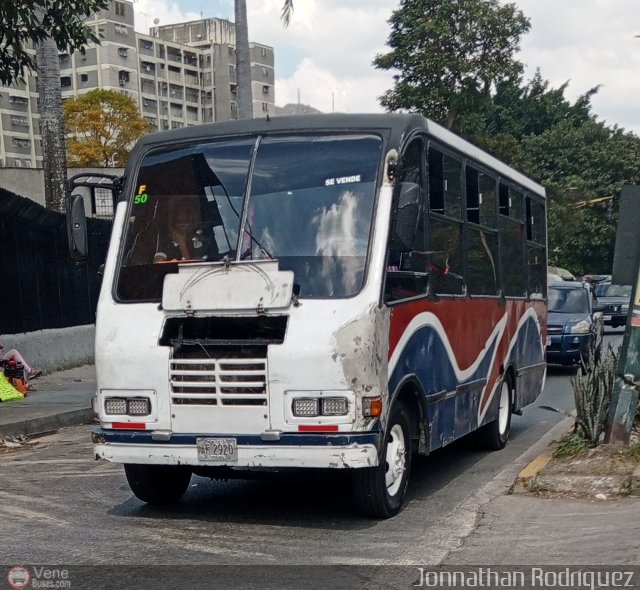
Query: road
[58,505]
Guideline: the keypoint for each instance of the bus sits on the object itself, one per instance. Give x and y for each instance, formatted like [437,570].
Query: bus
[348,291]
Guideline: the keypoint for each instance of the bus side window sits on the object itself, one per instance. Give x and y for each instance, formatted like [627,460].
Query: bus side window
[536,247]
[511,232]
[406,275]
[446,262]
[482,237]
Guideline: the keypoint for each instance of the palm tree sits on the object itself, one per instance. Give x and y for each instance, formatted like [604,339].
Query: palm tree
[54,153]
[243,62]
[287,11]
[243,58]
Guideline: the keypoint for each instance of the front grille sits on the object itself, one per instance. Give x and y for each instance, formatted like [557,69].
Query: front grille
[613,308]
[219,382]
[554,329]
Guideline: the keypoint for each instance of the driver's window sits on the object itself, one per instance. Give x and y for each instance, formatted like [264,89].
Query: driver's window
[406,275]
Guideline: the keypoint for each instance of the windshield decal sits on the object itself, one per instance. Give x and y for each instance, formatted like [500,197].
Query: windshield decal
[142,197]
[343,180]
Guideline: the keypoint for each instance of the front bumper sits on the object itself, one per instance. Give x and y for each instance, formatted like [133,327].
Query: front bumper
[611,318]
[568,349]
[335,451]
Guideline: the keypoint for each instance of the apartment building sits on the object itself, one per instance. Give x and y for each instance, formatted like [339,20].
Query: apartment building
[180,75]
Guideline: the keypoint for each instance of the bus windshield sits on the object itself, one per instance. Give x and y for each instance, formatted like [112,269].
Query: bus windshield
[306,201]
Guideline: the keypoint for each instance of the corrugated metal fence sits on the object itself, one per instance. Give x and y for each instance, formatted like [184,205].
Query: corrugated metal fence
[40,286]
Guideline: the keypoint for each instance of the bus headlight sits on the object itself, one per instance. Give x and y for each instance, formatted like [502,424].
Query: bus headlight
[335,406]
[115,405]
[139,406]
[306,407]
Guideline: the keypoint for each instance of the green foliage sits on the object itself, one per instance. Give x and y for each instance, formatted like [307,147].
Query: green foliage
[449,54]
[23,22]
[570,445]
[592,390]
[456,64]
[633,452]
[101,128]
[578,163]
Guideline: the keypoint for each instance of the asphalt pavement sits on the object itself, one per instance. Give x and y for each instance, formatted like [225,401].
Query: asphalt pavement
[491,525]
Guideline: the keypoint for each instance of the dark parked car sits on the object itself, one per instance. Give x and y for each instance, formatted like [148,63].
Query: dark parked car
[573,327]
[613,302]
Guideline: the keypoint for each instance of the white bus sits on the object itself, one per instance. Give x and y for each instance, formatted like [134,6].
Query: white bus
[332,291]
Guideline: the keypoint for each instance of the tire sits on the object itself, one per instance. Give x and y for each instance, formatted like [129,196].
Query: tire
[494,436]
[158,484]
[380,491]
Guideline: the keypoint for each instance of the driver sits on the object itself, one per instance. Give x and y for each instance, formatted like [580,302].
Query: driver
[186,238]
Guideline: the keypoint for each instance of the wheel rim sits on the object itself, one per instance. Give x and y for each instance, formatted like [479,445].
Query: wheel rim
[395,460]
[504,410]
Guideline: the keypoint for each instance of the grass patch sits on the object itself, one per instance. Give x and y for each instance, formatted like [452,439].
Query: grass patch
[633,452]
[569,446]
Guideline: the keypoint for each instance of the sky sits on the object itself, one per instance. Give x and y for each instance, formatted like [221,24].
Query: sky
[324,57]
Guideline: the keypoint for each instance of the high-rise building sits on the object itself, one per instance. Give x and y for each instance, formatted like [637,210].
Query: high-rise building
[180,75]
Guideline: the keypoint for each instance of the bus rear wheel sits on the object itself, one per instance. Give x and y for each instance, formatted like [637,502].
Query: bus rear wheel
[380,491]
[158,484]
[493,436]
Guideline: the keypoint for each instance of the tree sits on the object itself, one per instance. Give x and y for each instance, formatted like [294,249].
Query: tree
[101,127]
[54,154]
[578,163]
[243,57]
[50,25]
[450,54]
[287,11]
[33,21]
[243,62]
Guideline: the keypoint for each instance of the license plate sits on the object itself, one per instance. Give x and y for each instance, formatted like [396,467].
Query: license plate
[606,318]
[217,449]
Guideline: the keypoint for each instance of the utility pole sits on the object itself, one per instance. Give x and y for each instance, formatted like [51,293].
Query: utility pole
[624,400]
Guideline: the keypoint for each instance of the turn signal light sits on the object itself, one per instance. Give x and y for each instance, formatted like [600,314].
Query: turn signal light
[371,407]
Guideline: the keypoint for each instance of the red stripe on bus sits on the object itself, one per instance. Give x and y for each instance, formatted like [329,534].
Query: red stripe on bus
[318,428]
[129,425]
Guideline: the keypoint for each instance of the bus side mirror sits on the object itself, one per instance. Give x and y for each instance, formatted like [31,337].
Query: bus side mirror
[77,228]
[407,216]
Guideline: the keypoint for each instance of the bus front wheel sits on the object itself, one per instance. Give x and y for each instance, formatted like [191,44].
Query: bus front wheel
[380,491]
[158,484]
[493,436]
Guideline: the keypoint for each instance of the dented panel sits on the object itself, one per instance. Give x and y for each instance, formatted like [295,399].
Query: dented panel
[339,457]
[219,287]
[360,348]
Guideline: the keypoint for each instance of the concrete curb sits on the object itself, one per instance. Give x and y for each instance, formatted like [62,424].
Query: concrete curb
[528,475]
[44,424]
[532,479]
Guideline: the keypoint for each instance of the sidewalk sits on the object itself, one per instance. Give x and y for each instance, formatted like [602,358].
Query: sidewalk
[63,398]
[522,529]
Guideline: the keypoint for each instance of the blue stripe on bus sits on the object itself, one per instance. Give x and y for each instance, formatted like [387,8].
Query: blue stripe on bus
[452,416]
[102,435]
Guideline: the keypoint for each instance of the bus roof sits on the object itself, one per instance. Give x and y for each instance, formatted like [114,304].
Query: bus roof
[397,125]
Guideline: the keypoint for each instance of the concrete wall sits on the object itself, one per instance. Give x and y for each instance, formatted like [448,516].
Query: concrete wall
[29,182]
[54,350]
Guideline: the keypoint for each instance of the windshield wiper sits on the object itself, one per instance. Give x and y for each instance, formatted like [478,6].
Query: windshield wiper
[248,251]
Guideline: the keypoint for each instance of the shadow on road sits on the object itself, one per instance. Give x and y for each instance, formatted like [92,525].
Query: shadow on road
[318,498]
